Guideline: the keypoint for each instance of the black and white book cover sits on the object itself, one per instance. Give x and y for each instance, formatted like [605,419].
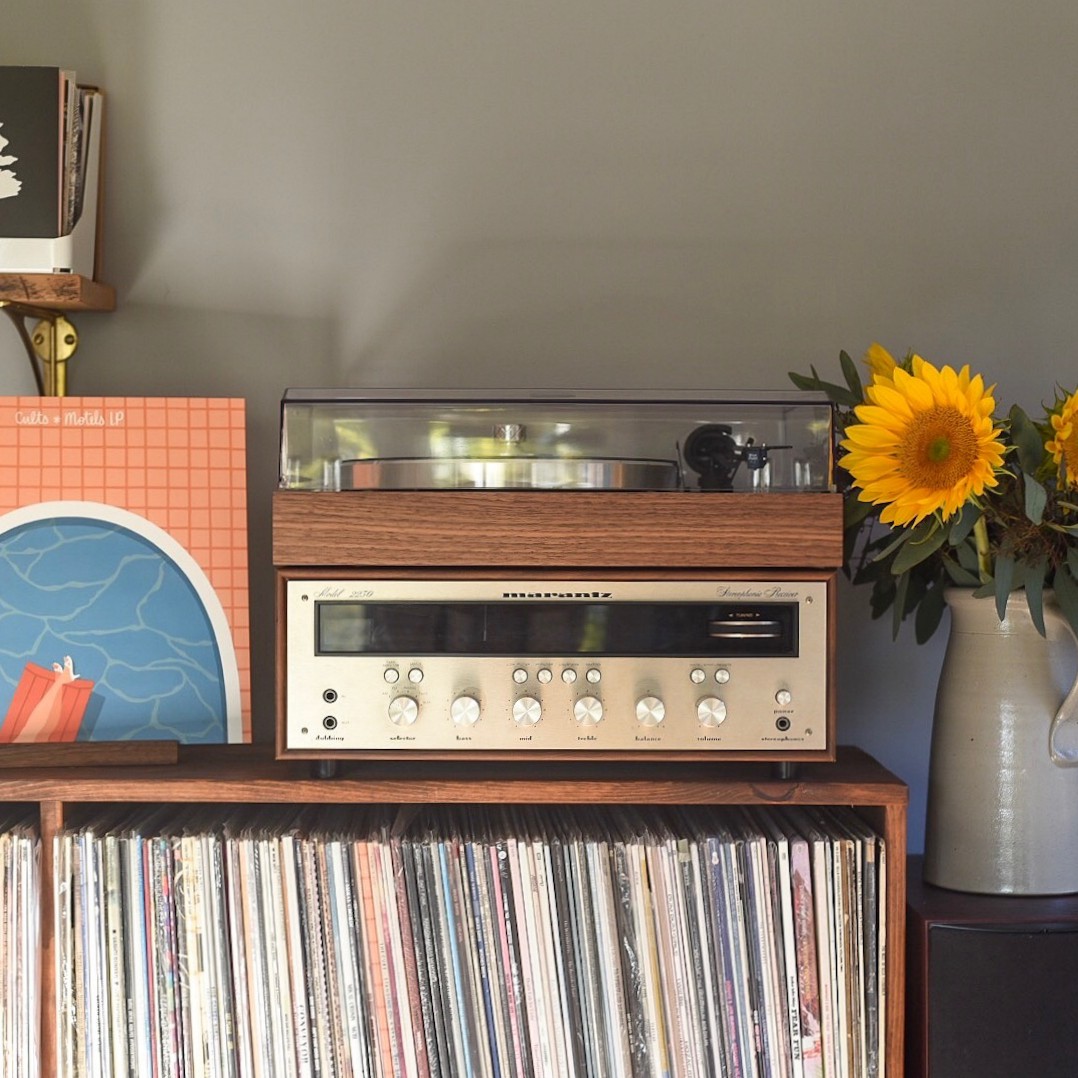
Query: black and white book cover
[32,156]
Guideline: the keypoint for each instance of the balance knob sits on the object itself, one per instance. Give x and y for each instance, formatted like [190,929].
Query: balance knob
[588,711]
[711,711]
[650,711]
[464,711]
[527,711]
[403,711]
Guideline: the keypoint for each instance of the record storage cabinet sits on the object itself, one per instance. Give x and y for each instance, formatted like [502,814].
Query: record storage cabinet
[249,775]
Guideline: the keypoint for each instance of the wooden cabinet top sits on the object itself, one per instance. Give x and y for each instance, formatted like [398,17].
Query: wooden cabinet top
[249,773]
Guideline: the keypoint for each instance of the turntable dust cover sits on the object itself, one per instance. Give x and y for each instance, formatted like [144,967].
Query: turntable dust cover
[123,570]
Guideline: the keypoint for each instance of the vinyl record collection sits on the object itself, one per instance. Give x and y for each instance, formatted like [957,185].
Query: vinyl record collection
[19,922]
[607,942]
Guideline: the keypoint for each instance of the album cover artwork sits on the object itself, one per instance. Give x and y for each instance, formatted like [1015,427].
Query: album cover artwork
[123,570]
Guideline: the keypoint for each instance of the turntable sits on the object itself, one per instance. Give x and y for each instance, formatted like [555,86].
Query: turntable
[557,574]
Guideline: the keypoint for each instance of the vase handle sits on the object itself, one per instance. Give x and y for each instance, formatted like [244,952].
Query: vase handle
[1063,735]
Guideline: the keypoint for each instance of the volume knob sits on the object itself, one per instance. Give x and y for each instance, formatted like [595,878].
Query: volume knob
[403,711]
[711,711]
[464,711]
[527,711]
[650,711]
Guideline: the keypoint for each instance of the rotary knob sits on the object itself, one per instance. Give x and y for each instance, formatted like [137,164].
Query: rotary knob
[650,711]
[527,711]
[711,711]
[403,711]
[588,711]
[464,711]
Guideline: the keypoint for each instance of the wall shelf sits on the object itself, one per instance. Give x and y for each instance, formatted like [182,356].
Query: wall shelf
[52,339]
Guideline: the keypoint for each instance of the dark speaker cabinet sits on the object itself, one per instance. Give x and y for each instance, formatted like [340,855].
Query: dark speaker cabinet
[991,984]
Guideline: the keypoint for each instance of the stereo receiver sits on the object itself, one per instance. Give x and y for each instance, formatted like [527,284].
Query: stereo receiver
[520,665]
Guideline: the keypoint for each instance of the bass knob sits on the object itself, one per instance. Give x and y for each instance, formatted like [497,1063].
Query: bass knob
[464,711]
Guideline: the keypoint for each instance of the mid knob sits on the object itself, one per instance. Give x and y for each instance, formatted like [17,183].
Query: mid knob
[464,711]
[711,711]
[650,711]
[403,711]
[527,711]
[588,711]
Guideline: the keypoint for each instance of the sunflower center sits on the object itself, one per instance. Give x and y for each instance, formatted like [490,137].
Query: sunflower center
[939,448]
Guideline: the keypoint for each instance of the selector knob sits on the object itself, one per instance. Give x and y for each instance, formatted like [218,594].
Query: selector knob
[588,711]
[650,711]
[527,711]
[711,711]
[403,711]
[464,711]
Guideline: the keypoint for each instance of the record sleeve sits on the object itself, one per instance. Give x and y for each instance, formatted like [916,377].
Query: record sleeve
[402,885]
[475,862]
[501,878]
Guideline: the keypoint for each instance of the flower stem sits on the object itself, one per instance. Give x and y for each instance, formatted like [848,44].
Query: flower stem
[984,556]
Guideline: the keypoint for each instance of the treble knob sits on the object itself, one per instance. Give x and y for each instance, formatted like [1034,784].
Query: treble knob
[711,711]
[650,711]
[403,711]
[527,711]
[464,711]
[588,711]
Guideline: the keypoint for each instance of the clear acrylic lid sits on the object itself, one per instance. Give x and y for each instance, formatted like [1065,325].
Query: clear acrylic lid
[555,440]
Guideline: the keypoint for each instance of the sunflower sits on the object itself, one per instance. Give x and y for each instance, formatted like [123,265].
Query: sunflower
[923,443]
[879,361]
[1064,446]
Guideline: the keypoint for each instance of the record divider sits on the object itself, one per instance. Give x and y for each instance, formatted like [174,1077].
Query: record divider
[248,774]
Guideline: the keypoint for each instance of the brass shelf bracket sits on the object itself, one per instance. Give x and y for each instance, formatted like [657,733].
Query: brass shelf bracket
[49,344]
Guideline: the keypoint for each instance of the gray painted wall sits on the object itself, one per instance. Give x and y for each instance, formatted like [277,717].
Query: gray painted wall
[577,193]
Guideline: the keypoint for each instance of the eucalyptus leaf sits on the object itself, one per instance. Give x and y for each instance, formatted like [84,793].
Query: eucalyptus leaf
[1036,499]
[838,394]
[855,512]
[917,550]
[929,612]
[1027,440]
[902,538]
[853,379]
[902,584]
[967,557]
[1035,575]
[1004,583]
[959,575]
[963,524]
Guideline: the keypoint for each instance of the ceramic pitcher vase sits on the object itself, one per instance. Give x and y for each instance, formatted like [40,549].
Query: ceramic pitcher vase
[1003,777]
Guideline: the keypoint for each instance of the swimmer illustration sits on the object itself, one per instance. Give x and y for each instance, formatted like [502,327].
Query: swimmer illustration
[48,705]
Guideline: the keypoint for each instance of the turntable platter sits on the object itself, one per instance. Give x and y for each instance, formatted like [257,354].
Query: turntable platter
[509,473]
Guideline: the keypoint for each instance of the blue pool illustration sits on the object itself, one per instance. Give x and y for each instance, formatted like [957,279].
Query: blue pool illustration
[105,636]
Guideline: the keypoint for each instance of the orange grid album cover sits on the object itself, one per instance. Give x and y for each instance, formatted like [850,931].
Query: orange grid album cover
[123,569]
